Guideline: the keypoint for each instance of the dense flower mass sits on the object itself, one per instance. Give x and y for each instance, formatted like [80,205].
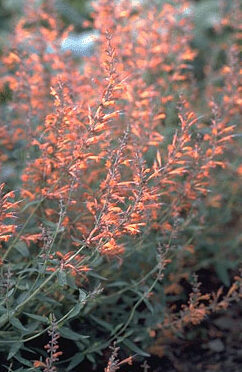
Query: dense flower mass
[93,143]
[116,150]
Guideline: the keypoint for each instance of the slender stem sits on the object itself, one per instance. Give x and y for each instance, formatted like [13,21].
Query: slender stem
[20,232]
[37,290]
[129,287]
[137,304]
[39,333]
[130,315]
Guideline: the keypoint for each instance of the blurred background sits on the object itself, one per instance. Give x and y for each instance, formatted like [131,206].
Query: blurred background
[207,16]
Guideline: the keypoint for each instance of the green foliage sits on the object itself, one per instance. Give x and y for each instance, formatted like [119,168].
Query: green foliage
[124,298]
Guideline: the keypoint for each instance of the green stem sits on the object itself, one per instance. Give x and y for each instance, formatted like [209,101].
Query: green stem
[20,232]
[39,333]
[37,290]
[137,304]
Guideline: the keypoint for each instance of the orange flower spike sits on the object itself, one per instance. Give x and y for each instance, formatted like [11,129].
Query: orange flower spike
[38,363]
[7,209]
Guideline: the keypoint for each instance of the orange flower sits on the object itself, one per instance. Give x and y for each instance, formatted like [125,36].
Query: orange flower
[38,363]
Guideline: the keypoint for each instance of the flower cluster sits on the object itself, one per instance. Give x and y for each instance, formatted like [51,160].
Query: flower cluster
[94,143]
[117,154]
[7,213]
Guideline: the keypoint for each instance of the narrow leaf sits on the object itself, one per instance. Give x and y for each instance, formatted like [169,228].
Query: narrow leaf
[71,335]
[76,359]
[17,324]
[135,348]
